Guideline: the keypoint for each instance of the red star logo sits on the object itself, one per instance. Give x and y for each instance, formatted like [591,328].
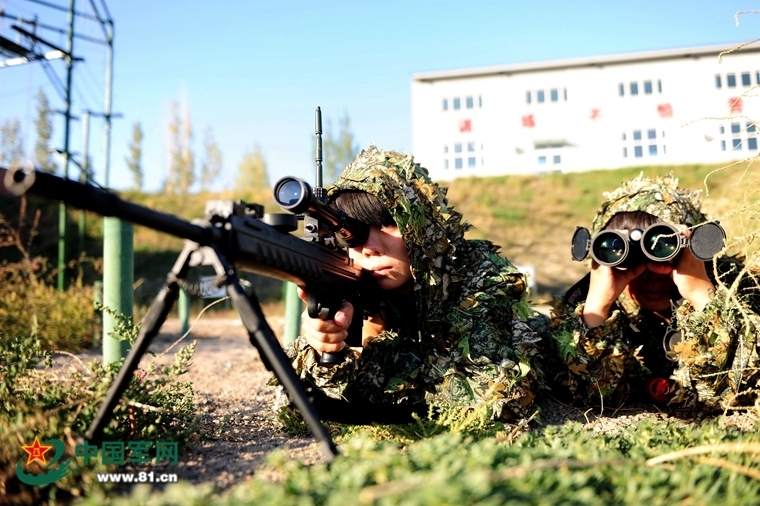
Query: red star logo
[36,451]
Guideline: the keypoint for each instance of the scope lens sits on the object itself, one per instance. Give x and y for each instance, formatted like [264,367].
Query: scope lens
[661,243]
[610,249]
[289,193]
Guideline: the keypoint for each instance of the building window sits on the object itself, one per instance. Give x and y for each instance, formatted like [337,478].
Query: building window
[718,82]
[540,96]
[651,133]
[637,135]
[722,145]
[471,146]
[457,163]
[554,95]
[624,136]
[527,97]
[634,88]
[445,148]
[757,77]
[542,160]
[731,80]
[659,86]
[457,104]
[557,159]
[752,143]
[471,162]
[736,128]
[647,87]
[746,80]
[625,152]
[638,152]
[445,104]
[446,163]
[722,129]
[480,101]
[653,150]
[621,89]
[737,144]
[750,127]
[564,94]
[469,102]
[458,147]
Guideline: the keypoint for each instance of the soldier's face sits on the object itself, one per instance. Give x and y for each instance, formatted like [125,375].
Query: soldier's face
[385,256]
[651,291]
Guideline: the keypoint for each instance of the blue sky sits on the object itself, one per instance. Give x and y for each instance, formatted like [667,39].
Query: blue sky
[254,71]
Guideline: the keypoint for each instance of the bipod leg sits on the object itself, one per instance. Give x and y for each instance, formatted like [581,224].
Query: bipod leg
[262,337]
[155,318]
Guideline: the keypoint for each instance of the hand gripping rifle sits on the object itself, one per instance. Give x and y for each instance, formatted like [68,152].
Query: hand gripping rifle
[233,235]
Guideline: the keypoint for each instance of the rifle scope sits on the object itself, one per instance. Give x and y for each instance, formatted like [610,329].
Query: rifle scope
[660,242]
[296,196]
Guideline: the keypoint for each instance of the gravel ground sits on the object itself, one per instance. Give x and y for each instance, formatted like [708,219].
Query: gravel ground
[238,427]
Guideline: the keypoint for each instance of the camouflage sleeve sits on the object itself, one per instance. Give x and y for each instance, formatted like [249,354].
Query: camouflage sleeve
[331,380]
[717,356]
[494,351]
[590,362]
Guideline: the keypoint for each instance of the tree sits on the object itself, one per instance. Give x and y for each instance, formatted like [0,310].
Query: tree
[181,160]
[211,167]
[44,127]
[11,142]
[134,160]
[252,171]
[338,151]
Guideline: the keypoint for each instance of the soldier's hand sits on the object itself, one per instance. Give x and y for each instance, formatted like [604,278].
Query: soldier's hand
[327,336]
[605,286]
[690,276]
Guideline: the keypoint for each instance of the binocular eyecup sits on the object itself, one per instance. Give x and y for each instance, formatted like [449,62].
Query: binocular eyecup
[660,242]
[296,196]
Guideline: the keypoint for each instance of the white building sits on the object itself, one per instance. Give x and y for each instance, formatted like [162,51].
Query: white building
[655,108]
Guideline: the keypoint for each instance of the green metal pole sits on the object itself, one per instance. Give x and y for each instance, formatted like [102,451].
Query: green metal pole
[66,135]
[118,279]
[184,310]
[292,313]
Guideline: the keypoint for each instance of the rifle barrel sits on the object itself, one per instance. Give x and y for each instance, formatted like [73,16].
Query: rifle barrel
[104,202]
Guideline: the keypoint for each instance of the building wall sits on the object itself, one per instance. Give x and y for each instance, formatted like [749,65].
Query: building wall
[678,116]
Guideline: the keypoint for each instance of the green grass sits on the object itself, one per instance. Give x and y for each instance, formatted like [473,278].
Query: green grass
[560,465]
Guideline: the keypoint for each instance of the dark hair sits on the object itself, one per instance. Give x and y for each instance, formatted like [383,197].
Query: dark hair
[628,220]
[363,206]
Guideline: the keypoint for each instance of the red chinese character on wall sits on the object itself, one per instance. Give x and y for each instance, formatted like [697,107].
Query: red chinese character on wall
[465,125]
[596,114]
[528,121]
[735,105]
[665,110]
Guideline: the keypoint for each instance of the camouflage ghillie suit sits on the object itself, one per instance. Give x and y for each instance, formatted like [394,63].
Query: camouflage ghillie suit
[470,344]
[715,366]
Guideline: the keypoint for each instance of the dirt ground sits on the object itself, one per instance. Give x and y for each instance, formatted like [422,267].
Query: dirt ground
[238,427]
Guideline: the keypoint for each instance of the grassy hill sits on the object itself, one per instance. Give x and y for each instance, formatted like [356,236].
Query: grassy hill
[531,217]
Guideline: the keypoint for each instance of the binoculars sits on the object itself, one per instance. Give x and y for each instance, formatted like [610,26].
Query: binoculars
[660,242]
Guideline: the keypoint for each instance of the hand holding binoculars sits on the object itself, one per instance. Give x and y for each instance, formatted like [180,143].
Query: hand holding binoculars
[660,242]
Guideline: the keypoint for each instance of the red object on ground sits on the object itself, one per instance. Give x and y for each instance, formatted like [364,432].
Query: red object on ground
[660,389]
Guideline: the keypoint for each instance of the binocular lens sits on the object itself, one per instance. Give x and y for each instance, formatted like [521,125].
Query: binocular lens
[289,193]
[611,249]
[661,242]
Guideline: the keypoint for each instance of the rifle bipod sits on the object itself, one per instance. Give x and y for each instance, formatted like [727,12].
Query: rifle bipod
[259,333]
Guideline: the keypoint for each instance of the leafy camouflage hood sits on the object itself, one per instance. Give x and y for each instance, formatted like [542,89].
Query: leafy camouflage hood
[432,231]
[659,196]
